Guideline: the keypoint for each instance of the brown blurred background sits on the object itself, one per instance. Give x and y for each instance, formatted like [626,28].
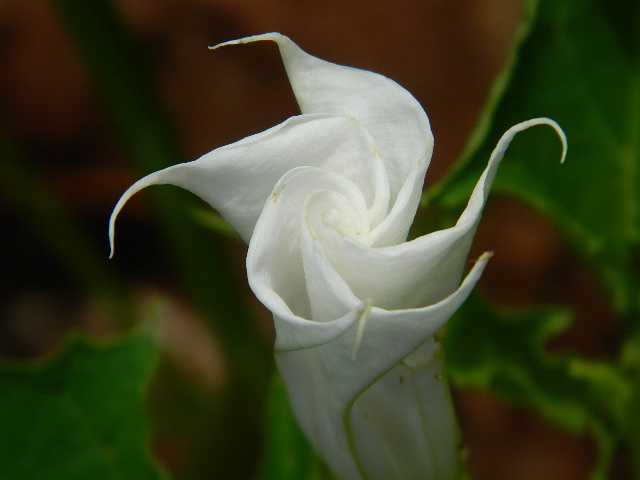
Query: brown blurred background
[445,52]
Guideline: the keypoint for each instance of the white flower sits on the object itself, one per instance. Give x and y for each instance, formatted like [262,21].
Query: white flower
[325,201]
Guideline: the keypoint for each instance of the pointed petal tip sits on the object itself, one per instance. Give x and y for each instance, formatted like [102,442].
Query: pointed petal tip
[151,179]
[111,246]
[485,257]
[563,138]
[551,123]
[112,231]
[565,143]
[273,36]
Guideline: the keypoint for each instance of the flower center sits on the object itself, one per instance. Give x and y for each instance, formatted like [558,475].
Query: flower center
[329,213]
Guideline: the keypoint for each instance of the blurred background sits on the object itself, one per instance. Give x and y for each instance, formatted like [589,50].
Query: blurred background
[55,122]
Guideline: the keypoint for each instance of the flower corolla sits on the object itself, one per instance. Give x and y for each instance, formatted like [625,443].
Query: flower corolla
[325,201]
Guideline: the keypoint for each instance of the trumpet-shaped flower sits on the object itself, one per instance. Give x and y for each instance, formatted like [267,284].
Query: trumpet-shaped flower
[325,201]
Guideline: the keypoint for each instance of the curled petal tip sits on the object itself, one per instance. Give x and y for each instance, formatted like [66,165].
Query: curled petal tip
[273,36]
[133,189]
[563,138]
[553,124]
[112,223]
[565,144]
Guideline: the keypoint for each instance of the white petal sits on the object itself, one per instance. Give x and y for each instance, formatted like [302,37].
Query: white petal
[481,191]
[237,179]
[276,269]
[409,275]
[394,118]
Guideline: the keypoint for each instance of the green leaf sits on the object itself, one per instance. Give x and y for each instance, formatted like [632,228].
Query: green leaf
[576,62]
[634,426]
[504,351]
[78,415]
[630,359]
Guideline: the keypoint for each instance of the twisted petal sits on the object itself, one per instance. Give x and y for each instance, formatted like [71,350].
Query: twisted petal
[427,269]
[237,179]
[394,118]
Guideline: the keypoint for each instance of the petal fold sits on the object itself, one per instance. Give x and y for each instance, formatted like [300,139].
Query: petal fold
[325,382]
[422,443]
[238,179]
[394,118]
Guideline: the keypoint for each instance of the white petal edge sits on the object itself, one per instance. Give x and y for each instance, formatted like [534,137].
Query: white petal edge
[325,381]
[426,269]
[385,109]
[237,179]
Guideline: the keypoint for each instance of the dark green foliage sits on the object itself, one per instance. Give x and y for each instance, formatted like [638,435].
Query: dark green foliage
[78,415]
